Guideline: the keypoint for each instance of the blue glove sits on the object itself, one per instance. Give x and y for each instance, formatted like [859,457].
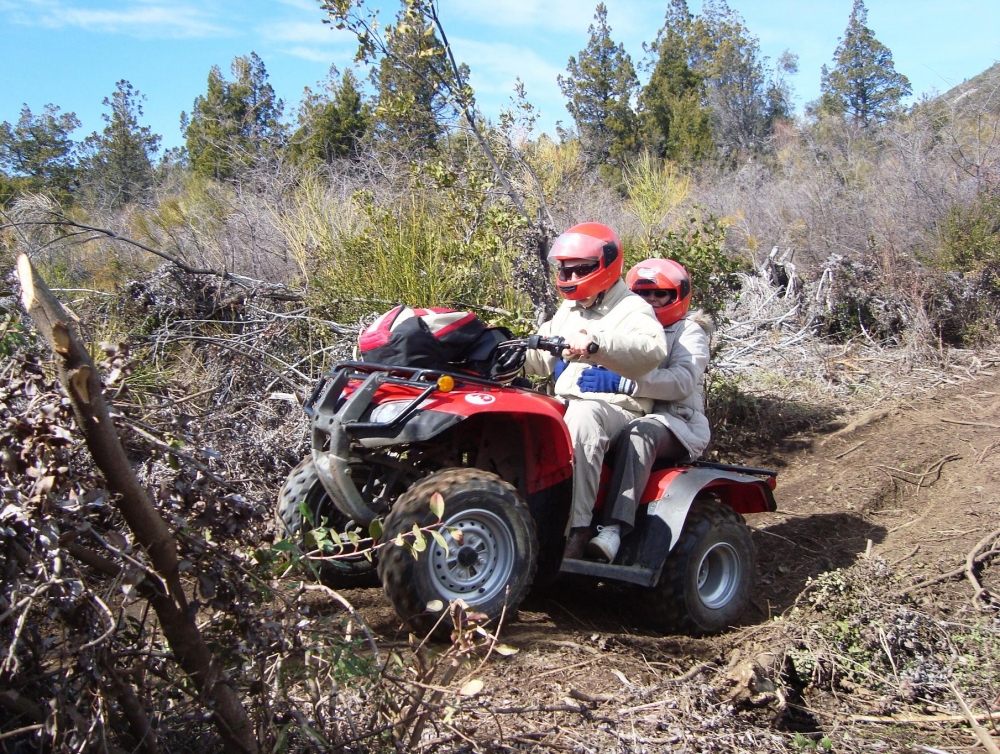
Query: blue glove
[601,380]
[559,369]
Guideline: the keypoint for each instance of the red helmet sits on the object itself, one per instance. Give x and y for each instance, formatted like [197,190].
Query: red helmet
[663,275]
[592,241]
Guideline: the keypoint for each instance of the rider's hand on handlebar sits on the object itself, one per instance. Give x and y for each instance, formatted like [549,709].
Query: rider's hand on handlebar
[579,344]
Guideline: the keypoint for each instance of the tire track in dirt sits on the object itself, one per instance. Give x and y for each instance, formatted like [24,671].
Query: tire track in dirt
[919,481]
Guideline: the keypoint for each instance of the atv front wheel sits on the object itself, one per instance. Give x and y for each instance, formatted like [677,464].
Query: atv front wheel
[304,486]
[490,565]
[708,577]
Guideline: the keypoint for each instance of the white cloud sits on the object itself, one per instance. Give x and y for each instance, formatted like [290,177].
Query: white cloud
[495,69]
[497,65]
[538,15]
[309,5]
[312,41]
[145,19]
[626,17]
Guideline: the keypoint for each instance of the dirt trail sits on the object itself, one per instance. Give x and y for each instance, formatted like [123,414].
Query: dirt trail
[920,480]
[916,482]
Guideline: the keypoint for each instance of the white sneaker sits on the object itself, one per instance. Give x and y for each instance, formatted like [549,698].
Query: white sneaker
[605,545]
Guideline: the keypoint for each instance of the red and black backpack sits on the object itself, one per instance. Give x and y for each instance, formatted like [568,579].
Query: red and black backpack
[428,338]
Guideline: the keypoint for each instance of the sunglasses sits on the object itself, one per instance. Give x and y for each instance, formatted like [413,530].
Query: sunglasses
[580,270]
[657,293]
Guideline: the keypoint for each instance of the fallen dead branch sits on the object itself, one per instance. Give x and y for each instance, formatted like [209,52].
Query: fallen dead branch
[981,558]
[970,563]
[986,450]
[934,468]
[693,672]
[921,719]
[849,450]
[163,589]
[970,424]
[981,733]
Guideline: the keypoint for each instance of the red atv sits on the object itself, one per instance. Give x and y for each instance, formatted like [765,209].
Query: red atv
[385,438]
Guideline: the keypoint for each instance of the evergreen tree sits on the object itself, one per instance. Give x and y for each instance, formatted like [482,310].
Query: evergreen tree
[599,89]
[331,123]
[864,83]
[234,122]
[743,98]
[675,124]
[414,105]
[37,153]
[121,156]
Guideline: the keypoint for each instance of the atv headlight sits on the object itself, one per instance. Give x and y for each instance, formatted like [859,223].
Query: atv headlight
[386,412]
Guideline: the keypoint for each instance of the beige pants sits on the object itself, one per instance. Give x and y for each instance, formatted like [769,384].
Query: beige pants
[593,426]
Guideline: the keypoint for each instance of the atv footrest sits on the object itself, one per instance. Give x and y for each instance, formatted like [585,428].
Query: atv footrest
[631,574]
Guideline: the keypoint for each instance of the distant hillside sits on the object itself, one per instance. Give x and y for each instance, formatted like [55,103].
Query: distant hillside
[981,93]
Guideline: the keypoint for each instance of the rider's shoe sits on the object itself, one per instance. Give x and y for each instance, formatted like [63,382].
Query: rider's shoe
[605,545]
[575,543]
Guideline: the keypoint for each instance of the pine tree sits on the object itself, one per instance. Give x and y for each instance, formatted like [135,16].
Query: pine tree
[743,96]
[414,106]
[38,154]
[331,123]
[863,83]
[599,89]
[234,122]
[121,157]
[675,124]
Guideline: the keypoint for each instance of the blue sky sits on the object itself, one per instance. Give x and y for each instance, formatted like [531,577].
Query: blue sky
[71,52]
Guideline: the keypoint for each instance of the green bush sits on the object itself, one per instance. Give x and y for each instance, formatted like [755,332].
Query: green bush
[970,238]
[423,251]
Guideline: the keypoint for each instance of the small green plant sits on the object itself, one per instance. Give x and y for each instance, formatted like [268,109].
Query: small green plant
[970,237]
[326,543]
[656,188]
[427,249]
[13,334]
[805,743]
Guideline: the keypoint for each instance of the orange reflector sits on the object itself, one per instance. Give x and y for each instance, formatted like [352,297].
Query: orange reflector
[445,383]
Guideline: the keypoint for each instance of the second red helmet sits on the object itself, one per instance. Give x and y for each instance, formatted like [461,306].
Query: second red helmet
[665,282]
[588,241]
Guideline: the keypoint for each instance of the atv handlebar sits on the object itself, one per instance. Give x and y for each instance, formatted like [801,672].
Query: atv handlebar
[555,346]
[510,354]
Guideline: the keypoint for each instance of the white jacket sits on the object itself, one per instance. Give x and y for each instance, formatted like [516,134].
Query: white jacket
[629,338]
[677,385]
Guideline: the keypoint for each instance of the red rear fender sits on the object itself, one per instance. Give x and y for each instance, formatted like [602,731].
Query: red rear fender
[741,492]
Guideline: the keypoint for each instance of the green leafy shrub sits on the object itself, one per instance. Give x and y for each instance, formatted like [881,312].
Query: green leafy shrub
[430,248]
[970,237]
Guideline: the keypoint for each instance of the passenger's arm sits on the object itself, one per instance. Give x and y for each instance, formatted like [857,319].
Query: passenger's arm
[683,370]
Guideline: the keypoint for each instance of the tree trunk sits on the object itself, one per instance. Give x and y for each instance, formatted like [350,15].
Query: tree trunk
[79,377]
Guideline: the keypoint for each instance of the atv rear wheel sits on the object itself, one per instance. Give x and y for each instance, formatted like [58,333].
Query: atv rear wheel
[304,486]
[708,577]
[491,568]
